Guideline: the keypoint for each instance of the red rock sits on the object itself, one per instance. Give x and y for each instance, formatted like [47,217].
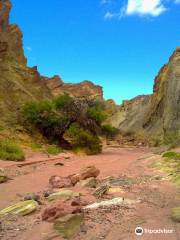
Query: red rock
[60,182]
[60,209]
[74,178]
[5,7]
[90,171]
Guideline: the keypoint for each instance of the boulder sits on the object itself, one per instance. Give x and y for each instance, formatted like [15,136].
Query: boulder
[63,194]
[60,182]
[69,226]
[175,215]
[89,182]
[60,209]
[75,178]
[89,171]
[21,208]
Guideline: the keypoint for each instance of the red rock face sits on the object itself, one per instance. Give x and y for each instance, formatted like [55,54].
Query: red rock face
[53,83]
[10,37]
[5,7]
[82,89]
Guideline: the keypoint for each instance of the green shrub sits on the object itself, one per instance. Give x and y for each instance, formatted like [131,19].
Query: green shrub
[83,139]
[63,101]
[54,150]
[109,131]
[11,151]
[172,155]
[32,111]
[44,116]
[97,114]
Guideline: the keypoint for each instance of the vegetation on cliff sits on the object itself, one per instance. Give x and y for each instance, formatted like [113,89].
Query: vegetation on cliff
[69,122]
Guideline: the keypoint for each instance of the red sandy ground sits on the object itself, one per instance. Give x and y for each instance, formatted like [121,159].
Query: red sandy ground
[153,212]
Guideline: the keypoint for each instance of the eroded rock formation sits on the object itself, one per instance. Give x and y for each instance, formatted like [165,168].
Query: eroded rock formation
[85,88]
[156,114]
[20,83]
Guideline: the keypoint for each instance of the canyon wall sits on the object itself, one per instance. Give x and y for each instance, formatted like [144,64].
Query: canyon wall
[156,114]
[20,83]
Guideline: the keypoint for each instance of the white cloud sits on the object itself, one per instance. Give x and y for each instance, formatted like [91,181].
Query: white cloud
[109,15]
[152,8]
[145,7]
[28,48]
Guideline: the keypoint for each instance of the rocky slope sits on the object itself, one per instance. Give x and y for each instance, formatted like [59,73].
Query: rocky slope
[20,83]
[85,88]
[157,114]
[152,115]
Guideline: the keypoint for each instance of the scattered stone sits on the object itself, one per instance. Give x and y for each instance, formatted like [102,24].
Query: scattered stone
[75,178]
[60,209]
[69,225]
[47,193]
[115,190]
[175,215]
[112,202]
[101,190]
[121,181]
[59,164]
[63,194]
[90,171]
[32,196]
[89,182]
[21,208]
[3,179]
[60,182]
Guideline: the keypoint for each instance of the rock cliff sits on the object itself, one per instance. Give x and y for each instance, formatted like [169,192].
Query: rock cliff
[156,114]
[20,83]
[85,88]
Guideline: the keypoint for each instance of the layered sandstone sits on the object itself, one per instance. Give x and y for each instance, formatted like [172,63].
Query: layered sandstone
[156,114]
[85,88]
[20,83]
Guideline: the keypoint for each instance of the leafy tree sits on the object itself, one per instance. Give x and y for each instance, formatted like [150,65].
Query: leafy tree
[97,114]
[54,117]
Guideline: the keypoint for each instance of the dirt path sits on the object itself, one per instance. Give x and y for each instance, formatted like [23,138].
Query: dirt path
[157,197]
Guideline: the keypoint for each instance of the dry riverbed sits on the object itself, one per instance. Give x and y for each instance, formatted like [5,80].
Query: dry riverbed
[129,171]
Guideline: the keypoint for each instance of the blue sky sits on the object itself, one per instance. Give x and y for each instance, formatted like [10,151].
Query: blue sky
[118,44]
